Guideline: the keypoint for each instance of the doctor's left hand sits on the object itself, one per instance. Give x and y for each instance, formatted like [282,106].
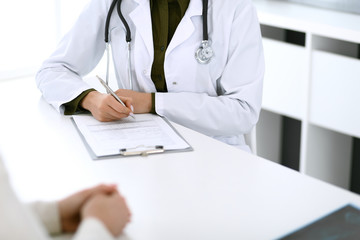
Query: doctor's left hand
[70,207]
[141,101]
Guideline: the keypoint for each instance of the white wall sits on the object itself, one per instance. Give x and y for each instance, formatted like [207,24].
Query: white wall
[30,30]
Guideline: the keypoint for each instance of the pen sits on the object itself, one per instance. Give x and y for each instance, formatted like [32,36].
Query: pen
[113,94]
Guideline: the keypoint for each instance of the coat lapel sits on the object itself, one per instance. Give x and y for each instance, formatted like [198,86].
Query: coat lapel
[141,17]
[186,26]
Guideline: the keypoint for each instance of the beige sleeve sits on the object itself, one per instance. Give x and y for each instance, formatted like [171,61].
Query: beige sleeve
[48,213]
[16,221]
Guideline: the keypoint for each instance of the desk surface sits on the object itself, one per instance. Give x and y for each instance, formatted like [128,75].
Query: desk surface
[214,192]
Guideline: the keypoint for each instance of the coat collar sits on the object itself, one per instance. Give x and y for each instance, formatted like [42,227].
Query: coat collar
[141,17]
[186,26]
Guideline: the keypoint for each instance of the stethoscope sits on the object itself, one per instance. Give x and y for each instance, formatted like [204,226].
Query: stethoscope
[203,54]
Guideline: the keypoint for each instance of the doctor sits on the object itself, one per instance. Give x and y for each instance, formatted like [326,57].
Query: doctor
[198,63]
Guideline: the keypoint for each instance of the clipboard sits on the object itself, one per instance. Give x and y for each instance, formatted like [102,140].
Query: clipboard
[146,135]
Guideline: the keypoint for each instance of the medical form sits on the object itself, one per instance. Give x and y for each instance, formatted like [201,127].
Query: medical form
[147,132]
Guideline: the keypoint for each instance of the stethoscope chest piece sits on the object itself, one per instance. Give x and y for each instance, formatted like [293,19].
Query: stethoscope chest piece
[204,54]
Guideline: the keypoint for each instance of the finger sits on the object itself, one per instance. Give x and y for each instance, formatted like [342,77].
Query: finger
[107,113]
[104,112]
[118,107]
[103,189]
[122,201]
[113,115]
[123,92]
[106,187]
[128,102]
[102,118]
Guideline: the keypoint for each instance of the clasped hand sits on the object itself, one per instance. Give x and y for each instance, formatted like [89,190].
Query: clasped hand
[102,202]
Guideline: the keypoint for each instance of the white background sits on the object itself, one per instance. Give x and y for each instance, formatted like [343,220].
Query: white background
[30,31]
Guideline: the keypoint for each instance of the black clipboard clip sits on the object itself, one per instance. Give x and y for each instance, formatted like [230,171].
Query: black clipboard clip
[143,153]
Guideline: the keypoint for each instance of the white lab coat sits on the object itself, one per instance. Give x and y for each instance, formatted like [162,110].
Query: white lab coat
[221,99]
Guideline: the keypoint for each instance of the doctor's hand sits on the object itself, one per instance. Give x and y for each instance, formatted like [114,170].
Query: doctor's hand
[111,210]
[141,101]
[70,207]
[105,107]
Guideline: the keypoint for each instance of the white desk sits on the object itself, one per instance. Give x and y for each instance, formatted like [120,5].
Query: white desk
[214,192]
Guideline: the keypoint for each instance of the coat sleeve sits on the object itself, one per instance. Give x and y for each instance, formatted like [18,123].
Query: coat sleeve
[60,76]
[236,110]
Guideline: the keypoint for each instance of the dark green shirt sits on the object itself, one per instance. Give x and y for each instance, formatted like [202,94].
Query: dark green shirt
[165,16]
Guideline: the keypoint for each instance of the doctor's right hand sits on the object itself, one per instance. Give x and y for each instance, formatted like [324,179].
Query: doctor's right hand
[105,107]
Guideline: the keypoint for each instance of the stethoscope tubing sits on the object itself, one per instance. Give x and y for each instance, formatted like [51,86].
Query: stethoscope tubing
[128,32]
[205,20]
[203,54]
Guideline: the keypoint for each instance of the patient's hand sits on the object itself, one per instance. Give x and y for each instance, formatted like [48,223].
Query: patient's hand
[111,209]
[70,207]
